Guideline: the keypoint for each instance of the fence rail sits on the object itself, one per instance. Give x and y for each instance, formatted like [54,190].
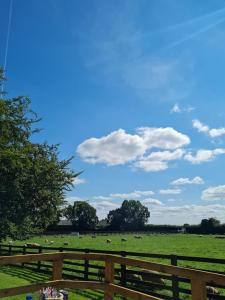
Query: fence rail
[175,284]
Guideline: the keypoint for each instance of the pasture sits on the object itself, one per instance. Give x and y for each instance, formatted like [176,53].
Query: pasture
[180,244]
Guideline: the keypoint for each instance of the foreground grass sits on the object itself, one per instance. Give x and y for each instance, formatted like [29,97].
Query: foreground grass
[15,276]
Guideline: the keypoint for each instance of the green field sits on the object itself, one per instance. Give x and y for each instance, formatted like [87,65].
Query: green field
[180,244]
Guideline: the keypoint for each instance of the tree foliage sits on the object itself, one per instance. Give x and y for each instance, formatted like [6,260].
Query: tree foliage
[33,180]
[132,215]
[82,215]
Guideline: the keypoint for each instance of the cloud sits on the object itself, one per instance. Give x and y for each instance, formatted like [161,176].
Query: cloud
[164,138]
[116,148]
[177,109]
[135,194]
[103,207]
[120,147]
[170,191]
[183,181]
[203,155]
[102,198]
[72,199]
[157,161]
[192,214]
[78,181]
[214,193]
[213,133]
[151,201]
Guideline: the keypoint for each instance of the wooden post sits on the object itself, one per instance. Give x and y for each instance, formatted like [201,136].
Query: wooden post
[175,282]
[57,269]
[123,270]
[198,288]
[39,262]
[109,278]
[24,253]
[10,250]
[86,266]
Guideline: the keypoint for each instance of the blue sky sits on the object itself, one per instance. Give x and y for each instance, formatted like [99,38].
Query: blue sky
[135,91]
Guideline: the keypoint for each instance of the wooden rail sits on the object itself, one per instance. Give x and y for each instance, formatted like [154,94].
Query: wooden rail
[199,279]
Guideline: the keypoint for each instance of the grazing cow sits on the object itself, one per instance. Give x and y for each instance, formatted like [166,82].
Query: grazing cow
[66,243]
[108,241]
[123,240]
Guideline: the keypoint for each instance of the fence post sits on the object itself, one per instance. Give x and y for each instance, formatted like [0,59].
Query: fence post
[109,278]
[86,266]
[198,289]
[123,270]
[175,281]
[39,262]
[24,253]
[57,269]
[10,250]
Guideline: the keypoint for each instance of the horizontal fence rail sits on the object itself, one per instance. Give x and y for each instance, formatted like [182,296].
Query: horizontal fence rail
[167,286]
[199,279]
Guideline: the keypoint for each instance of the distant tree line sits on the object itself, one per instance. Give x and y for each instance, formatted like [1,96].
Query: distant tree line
[132,215]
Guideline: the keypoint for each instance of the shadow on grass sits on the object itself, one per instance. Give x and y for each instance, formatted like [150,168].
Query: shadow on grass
[33,276]
[23,273]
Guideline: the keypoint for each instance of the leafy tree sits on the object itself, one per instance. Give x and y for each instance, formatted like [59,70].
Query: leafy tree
[132,215]
[82,215]
[33,180]
[209,225]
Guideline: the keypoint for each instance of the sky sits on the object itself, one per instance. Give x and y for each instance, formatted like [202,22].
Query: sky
[134,90]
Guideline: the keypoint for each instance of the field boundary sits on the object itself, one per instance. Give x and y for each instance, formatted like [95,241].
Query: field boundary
[84,270]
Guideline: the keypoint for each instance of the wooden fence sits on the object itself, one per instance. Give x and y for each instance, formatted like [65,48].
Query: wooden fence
[199,279]
[174,288]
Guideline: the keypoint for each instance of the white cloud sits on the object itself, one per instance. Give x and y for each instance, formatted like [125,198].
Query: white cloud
[102,198]
[116,148]
[164,138]
[151,166]
[120,147]
[183,181]
[214,132]
[157,161]
[203,155]
[72,199]
[78,181]
[214,193]
[103,207]
[177,109]
[192,214]
[151,201]
[170,191]
[135,194]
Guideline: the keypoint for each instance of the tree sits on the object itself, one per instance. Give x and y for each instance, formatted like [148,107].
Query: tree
[33,180]
[82,215]
[209,225]
[132,215]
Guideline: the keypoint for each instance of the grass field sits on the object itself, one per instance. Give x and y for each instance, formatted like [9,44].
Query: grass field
[180,244]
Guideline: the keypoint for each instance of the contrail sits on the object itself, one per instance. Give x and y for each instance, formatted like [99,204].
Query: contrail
[7,39]
[178,25]
[191,36]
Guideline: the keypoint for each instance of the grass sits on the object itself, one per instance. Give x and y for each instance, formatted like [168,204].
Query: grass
[180,244]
